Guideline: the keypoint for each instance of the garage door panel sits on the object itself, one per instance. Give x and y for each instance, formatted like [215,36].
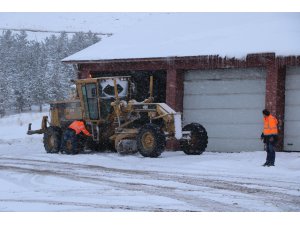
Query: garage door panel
[293,70]
[224,87]
[292,97]
[292,113]
[293,128]
[229,74]
[292,110]
[293,82]
[227,116]
[292,144]
[228,103]
[234,145]
[224,101]
[249,131]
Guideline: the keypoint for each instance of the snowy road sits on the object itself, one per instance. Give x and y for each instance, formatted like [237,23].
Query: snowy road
[31,180]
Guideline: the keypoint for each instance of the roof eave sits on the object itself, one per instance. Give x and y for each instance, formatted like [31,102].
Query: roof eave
[167,58]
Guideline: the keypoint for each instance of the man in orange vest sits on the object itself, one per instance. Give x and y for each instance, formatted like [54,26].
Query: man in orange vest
[78,126]
[269,136]
[74,134]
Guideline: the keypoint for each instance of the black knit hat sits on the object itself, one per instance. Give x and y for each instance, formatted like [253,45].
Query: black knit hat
[266,112]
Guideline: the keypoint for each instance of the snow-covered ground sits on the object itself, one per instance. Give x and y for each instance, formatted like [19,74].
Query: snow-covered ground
[31,180]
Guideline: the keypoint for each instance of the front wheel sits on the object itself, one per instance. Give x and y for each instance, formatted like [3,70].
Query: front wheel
[52,140]
[150,141]
[197,143]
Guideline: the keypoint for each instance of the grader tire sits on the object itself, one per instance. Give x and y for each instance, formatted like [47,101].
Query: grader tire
[151,141]
[52,140]
[198,142]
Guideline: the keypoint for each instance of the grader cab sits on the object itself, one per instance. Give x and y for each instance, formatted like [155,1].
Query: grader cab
[117,121]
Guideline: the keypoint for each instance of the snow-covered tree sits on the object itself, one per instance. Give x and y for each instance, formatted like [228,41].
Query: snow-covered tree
[7,43]
[31,72]
[81,40]
[39,87]
[4,93]
[22,76]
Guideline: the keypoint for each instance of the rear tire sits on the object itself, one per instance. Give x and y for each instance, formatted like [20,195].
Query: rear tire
[198,142]
[151,141]
[52,140]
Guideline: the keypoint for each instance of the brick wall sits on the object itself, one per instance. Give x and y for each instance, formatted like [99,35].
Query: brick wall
[275,93]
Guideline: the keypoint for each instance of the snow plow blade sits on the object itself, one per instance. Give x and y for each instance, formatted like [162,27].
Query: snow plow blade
[40,131]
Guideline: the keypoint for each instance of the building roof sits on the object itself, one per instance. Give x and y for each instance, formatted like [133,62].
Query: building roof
[161,35]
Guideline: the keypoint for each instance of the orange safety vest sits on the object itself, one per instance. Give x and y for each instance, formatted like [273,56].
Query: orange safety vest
[270,125]
[78,126]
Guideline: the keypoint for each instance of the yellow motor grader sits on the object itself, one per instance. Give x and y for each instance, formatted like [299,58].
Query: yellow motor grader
[117,121]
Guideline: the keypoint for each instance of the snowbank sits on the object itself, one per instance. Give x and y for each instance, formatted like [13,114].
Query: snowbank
[14,127]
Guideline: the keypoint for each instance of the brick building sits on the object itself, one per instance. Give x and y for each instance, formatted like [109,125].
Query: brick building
[224,94]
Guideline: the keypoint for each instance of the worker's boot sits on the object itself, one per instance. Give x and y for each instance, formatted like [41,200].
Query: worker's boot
[266,164]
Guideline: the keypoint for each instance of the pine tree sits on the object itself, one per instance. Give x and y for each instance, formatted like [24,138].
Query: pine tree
[81,41]
[31,72]
[39,86]
[22,76]
[3,94]
[7,42]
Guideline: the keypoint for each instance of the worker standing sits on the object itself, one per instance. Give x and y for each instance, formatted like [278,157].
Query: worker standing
[269,136]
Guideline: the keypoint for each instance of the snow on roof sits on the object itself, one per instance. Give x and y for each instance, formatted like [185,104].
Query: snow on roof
[191,34]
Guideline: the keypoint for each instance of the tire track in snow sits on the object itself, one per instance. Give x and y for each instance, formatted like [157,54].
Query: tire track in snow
[94,206]
[200,203]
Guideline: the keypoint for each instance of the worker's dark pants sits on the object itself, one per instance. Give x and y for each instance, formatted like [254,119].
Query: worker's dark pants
[270,148]
[69,134]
